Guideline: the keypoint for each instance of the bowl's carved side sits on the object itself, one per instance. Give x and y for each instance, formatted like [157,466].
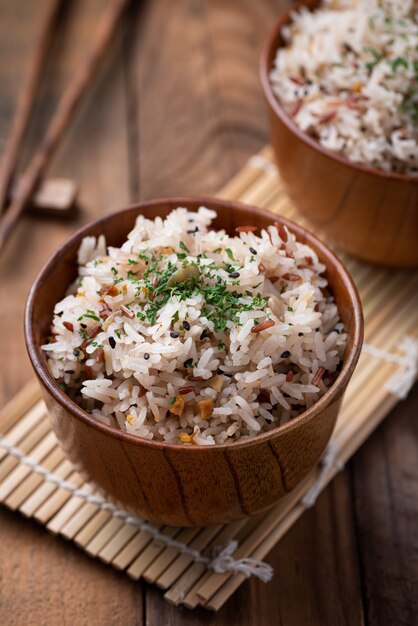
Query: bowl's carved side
[167,486]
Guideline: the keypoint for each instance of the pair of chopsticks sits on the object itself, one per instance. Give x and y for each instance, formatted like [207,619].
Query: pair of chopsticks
[29,180]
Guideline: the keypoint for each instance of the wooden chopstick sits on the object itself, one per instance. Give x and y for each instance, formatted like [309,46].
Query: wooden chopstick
[60,121]
[26,101]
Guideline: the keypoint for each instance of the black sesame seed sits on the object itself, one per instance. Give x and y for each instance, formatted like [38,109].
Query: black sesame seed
[204,334]
[285,354]
[300,334]
[83,325]
[76,352]
[173,334]
[186,325]
[253,251]
[60,314]
[188,362]
[112,342]
[234,274]
[146,356]
[224,373]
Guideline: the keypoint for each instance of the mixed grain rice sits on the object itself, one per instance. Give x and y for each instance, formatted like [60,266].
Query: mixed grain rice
[348,76]
[189,335]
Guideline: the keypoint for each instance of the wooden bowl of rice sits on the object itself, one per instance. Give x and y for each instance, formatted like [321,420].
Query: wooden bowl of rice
[189,485]
[365,210]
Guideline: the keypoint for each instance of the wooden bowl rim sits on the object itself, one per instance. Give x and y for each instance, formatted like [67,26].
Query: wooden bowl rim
[264,69]
[39,363]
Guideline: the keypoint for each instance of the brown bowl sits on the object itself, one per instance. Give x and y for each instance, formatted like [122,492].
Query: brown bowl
[368,212]
[172,483]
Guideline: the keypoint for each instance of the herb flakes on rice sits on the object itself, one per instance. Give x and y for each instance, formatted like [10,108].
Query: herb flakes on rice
[192,336]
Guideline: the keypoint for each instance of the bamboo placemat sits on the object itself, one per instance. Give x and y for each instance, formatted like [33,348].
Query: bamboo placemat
[390,301]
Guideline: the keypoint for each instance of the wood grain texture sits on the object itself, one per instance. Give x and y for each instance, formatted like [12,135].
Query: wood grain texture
[26,101]
[95,153]
[29,179]
[365,211]
[196,103]
[30,595]
[385,480]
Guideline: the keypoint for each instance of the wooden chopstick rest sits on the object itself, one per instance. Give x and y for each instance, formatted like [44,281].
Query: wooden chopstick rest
[56,196]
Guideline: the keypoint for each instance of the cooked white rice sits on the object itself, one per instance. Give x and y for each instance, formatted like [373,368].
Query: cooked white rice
[161,336]
[349,78]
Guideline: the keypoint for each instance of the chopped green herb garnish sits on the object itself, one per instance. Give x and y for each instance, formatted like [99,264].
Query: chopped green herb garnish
[183,246]
[397,63]
[144,256]
[377,57]
[91,314]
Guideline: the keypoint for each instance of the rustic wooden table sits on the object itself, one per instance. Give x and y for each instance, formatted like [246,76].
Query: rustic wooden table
[177,108]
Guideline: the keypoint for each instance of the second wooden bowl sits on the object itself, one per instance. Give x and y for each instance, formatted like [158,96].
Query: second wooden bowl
[368,212]
[172,483]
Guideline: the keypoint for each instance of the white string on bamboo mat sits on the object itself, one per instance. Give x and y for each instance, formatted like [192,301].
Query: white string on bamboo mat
[399,384]
[223,560]
[402,381]
[328,461]
[261,163]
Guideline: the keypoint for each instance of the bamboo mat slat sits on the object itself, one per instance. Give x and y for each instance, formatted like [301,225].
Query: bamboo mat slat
[390,300]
